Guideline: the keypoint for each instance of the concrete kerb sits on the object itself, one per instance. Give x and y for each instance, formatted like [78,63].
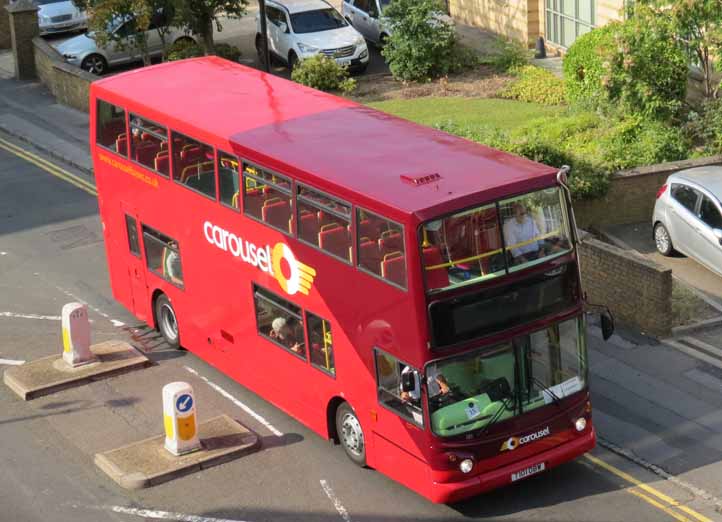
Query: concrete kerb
[51,374]
[147,463]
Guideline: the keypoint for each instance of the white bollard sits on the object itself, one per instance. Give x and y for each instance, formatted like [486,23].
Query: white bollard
[179,418]
[76,335]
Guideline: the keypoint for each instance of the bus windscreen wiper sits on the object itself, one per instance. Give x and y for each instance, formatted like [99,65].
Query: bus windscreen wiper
[504,407]
[548,390]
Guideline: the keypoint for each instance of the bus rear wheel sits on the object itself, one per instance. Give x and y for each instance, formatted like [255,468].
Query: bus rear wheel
[166,320]
[351,434]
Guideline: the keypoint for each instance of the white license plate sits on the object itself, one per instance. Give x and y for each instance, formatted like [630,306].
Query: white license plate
[344,61]
[531,470]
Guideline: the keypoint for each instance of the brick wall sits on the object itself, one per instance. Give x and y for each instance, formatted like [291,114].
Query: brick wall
[70,85]
[632,194]
[636,290]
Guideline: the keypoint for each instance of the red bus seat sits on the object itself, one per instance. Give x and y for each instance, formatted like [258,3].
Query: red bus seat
[145,153]
[161,162]
[253,201]
[438,277]
[121,145]
[390,241]
[334,238]
[369,255]
[112,130]
[190,153]
[393,268]
[276,213]
[309,227]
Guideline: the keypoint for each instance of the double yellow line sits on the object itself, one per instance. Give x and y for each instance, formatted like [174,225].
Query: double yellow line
[652,496]
[49,167]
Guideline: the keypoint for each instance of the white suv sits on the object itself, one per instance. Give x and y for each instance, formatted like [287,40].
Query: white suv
[299,29]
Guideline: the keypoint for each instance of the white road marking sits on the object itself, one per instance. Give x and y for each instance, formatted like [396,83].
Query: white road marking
[156,514]
[336,502]
[3,253]
[238,403]
[96,310]
[11,362]
[30,316]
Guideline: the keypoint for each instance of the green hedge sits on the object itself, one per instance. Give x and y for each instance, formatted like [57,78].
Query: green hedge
[584,65]
[535,85]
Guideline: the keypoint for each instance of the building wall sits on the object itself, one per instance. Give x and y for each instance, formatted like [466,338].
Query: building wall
[609,11]
[508,18]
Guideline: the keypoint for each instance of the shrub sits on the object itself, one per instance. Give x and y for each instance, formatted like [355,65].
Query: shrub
[422,44]
[323,73]
[227,51]
[585,66]
[183,48]
[509,54]
[535,85]
[705,127]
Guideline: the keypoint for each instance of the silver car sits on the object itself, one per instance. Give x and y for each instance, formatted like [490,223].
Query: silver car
[688,216]
[84,52]
[58,16]
[367,18]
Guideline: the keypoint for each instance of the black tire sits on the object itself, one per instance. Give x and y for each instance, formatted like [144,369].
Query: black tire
[662,240]
[383,39]
[187,40]
[94,64]
[292,60]
[350,434]
[166,320]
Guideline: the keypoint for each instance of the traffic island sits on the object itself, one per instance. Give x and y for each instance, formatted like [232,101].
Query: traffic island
[51,374]
[148,463]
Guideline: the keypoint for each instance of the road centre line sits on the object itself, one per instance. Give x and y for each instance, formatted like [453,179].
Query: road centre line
[235,401]
[98,311]
[47,166]
[672,503]
[30,316]
[156,514]
[336,502]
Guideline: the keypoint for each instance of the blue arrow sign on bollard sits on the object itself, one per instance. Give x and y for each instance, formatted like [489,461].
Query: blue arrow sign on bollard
[184,403]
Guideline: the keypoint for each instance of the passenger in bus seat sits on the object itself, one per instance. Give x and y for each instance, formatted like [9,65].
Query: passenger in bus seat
[290,336]
[522,229]
[172,263]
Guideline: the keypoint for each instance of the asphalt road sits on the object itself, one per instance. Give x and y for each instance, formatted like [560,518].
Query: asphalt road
[51,252]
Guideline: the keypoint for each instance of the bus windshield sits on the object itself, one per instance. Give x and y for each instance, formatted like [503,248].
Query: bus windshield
[494,239]
[475,390]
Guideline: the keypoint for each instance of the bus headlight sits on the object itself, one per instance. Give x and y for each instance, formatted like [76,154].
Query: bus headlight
[466,465]
[580,424]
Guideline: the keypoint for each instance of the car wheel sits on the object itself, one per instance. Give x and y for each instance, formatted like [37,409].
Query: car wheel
[383,40]
[662,240]
[166,320]
[292,60]
[351,434]
[94,64]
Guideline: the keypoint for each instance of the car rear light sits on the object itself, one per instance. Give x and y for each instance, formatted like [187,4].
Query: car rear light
[661,191]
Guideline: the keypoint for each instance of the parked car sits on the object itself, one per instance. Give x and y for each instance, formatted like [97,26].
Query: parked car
[367,17]
[688,216]
[299,29]
[84,51]
[59,16]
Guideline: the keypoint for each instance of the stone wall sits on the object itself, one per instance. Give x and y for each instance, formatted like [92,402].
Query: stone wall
[4,26]
[69,84]
[637,291]
[632,194]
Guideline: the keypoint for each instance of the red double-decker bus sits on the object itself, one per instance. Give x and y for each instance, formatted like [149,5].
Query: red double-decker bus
[410,294]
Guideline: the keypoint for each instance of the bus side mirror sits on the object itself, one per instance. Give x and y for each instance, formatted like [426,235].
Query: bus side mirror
[607,324]
[407,381]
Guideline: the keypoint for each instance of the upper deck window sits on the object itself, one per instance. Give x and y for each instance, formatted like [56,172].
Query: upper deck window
[324,222]
[149,144]
[228,180]
[110,129]
[267,197]
[193,165]
[381,249]
[491,240]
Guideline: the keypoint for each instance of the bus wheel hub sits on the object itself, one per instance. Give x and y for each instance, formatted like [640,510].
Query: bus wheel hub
[352,434]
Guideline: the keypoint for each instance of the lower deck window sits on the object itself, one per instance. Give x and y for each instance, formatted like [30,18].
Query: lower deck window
[389,371]
[162,255]
[279,321]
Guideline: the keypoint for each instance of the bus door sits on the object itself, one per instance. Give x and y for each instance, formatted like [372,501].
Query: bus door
[133,261]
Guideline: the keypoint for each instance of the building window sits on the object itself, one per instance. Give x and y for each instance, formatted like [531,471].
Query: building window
[320,342]
[324,222]
[193,165]
[162,255]
[567,20]
[279,321]
[228,180]
[110,128]
[381,248]
[388,374]
[267,197]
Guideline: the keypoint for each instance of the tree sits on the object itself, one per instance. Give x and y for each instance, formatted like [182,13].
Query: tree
[200,16]
[698,24]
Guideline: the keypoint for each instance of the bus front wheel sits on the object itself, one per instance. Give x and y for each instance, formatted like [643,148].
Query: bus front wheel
[166,320]
[351,434]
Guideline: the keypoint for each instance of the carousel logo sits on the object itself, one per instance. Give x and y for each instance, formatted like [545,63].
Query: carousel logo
[514,442]
[300,276]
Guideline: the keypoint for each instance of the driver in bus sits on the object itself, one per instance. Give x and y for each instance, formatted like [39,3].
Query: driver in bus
[289,337]
[522,229]
[436,384]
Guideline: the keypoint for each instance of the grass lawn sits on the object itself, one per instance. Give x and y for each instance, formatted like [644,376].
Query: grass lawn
[503,114]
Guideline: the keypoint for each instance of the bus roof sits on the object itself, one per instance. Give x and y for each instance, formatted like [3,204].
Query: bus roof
[391,161]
